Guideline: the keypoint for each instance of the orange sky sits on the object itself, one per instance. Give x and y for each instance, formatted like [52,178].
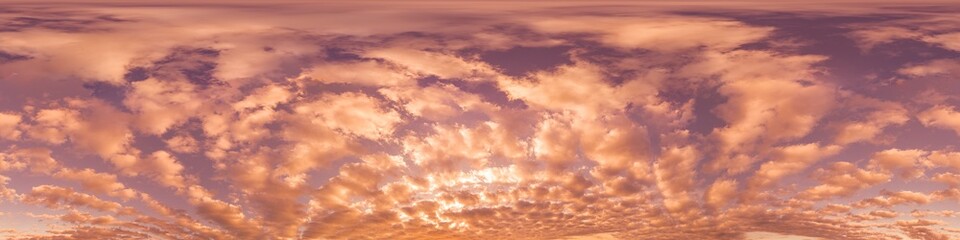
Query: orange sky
[479,120]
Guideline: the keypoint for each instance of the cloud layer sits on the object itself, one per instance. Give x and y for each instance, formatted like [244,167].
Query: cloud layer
[437,121]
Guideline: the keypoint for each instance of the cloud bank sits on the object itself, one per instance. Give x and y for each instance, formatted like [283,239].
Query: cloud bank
[440,121]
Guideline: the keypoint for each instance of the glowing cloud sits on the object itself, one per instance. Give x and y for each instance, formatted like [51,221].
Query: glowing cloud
[479,120]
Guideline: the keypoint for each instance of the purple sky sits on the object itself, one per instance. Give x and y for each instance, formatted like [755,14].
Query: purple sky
[480,120]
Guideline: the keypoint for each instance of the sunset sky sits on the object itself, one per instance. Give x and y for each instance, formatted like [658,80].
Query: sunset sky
[481,120]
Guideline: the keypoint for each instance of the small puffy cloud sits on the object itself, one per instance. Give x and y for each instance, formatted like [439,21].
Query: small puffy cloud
[788,160]
[932,32]
[425,63]
[663,33]
[159,105]
[96,182]
[90,125]
[267,53]
[183,143]
[163,167]
[5,192]
[353,113]
[907,163]
[90,232]
[85,56]
[721,192]
[884,214]
[918,223]
[947,159]
[450,148]
[842,179]
[617,145]
[951,179]
[264,97]
[366,73]
[9,123]
[227,215]
[436,103]
[890,199]
[941,116]
[766,103]
[945,67]
[60,197]
[580,88]
[51,125]
[923,214]
[870,38]
[555,143]
[36,160]
[313,144]
[921,229]
[947,40]
[675,171]
[879,115]
[76,217]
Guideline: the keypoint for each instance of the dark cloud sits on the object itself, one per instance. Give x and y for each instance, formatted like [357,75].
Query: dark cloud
[62,21]
[136,74]
[6,57]
[195,65]
[522,60]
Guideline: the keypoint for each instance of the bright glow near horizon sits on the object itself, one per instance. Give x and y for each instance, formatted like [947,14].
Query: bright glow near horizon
[479,120]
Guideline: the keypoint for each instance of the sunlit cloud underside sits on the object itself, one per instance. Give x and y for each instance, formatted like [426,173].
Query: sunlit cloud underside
[479,120]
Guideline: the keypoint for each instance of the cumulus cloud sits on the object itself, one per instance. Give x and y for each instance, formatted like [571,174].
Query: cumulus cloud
[160,105]
[947,40]
[97,182]
[90,125]
[787,160]
[581,88]
[225,214]
[907,163]
[879,115]
[721,192]
[60,197]
[758,111]
[842,179]
[675,177]
[8,126]
[941,116]
[890,199]
[665,33]
[5,192]
[371,73]
[427,63]
[436,103]
[947,159]
[165,169]
[183,143]
[76,217]
[558,120]
[933,30]
[36,160]
[943,67]
[353,113]
[873,37]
